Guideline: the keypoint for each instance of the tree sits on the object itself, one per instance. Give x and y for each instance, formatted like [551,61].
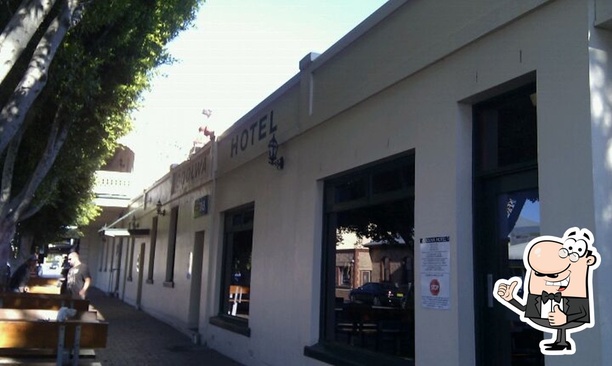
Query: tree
[96,78]
[12,117]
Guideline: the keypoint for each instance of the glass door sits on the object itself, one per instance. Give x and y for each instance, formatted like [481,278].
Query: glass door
[509,217]
[506,218]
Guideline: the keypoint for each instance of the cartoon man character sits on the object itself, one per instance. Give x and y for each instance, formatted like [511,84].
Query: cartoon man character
[558,296]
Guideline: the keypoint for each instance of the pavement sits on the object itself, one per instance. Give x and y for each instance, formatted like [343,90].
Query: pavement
[136,338]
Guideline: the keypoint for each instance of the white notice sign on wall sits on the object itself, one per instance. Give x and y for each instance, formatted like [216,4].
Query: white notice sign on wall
[435,272]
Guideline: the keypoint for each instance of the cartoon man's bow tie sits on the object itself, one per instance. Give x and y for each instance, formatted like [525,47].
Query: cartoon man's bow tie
[546,296]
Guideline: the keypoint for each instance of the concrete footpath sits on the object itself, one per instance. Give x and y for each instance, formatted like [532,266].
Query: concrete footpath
[136,338]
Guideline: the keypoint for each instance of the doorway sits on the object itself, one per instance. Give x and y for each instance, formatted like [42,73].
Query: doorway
[194,272]
[140,272]
[506,218]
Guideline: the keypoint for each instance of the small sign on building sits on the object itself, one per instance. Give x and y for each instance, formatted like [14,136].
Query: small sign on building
[200,206]
[435,272]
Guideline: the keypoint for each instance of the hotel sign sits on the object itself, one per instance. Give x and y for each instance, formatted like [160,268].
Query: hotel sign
[192,173]
[260,129]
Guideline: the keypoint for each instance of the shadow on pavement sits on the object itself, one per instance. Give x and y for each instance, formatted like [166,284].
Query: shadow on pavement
[136,338]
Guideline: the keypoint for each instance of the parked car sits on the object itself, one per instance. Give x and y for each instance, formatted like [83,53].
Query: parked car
[378,293]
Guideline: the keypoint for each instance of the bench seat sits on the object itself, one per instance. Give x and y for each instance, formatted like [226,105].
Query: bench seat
[43,285]
[44,315]
[41,301]
[26,339]
[28,334]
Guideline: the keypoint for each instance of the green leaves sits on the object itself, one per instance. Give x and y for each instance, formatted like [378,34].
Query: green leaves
[94,83]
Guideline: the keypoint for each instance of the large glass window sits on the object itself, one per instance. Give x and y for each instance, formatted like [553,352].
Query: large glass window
[370,221]
[237,251]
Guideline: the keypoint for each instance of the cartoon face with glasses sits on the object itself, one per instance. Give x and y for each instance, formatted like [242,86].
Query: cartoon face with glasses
[559,288]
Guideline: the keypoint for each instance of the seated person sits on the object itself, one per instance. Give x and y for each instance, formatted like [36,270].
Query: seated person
[21,276]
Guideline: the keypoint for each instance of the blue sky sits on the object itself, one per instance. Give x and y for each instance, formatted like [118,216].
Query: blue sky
[237,54]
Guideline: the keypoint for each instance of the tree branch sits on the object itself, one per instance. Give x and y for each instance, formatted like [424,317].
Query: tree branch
[7,172]
[33,208]
[20,29]
[57,137]
[35,77]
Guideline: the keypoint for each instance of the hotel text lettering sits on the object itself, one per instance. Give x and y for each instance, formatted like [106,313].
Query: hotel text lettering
[253,133]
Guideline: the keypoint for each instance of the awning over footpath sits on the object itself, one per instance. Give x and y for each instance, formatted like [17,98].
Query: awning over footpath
[112,231]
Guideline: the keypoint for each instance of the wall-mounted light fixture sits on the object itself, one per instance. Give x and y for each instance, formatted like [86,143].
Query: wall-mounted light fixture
[160,212]
[278,162]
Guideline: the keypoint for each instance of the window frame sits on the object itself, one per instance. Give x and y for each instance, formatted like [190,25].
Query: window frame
[328,350]
[229,322]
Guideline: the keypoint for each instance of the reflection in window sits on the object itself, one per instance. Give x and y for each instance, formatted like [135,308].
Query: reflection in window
[345,275]
[366,277]
[520,222]
[372,235]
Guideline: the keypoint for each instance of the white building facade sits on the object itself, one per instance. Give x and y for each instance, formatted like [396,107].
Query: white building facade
[432,122]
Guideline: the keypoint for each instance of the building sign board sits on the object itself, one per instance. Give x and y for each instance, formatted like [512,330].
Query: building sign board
[192,173]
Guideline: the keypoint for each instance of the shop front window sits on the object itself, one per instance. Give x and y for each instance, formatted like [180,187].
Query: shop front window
[374,223]
[236,280]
